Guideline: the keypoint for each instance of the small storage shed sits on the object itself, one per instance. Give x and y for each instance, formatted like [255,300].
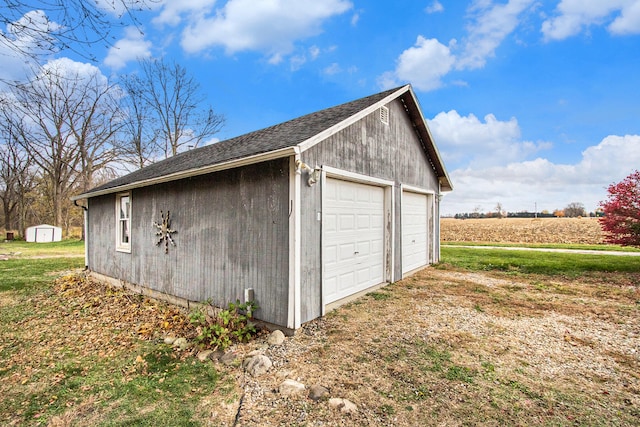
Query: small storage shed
[44,233]
[303,215]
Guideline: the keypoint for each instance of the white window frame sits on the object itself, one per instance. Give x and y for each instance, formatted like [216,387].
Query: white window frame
[123,246]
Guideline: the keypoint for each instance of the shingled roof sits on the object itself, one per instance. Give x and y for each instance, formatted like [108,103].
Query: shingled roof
[280,140]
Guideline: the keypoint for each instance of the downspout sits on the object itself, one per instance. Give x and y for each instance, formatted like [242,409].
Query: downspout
[85,225]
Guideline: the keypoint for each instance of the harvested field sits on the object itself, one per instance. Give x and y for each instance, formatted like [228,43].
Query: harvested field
[523,230]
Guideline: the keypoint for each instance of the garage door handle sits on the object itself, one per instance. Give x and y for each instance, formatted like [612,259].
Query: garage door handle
[356,253]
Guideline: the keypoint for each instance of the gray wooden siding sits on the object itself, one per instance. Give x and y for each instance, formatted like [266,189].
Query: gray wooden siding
[369,147]
[232,234]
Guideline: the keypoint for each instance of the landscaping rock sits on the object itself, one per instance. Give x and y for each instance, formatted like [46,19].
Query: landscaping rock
[345,406]
[169,340]
[228,358]
[205,355]
[276,338]
[291,387]
[257,365]
[181,343]
[318,392]
[217,355]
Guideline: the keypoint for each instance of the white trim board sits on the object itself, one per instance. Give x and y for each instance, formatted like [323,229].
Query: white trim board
[413,189]
[295,252]
[231,164]
[355,177]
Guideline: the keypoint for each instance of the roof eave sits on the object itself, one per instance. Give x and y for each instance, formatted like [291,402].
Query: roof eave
[245,161]
[432,150]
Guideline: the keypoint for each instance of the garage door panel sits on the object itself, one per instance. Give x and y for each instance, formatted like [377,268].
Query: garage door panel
[330,255]
[414,231]
[347,222]
[347,252]
[359,237]
[331,285]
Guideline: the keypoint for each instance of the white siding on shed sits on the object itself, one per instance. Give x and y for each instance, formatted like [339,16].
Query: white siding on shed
[43,233]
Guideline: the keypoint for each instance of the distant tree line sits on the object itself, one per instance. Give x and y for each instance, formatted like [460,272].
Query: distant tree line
[572,210]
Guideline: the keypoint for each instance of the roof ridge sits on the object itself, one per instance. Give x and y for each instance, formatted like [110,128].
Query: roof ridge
[272,138]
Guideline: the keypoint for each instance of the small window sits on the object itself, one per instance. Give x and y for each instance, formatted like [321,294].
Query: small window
[384,115]
[123,219]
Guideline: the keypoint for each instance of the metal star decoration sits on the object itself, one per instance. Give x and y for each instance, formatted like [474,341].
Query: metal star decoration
[165,232]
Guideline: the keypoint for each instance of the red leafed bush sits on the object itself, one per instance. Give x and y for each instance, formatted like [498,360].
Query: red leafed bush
[621,220]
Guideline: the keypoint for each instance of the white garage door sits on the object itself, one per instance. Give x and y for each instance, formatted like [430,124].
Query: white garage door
[414,231]
[353,238]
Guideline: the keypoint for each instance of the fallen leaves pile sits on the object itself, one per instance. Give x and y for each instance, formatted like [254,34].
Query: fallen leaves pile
[80,317]
[122,311]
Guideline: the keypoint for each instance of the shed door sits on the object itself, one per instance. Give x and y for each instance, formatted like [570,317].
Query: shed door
[353,238]
[44,235]
[414,231]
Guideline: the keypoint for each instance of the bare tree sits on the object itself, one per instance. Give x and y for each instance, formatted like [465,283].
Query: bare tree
[41,27]
[140,144]
[173,98]
[8,194]
[66,120]
[574,209]
[95,121]
[17,180]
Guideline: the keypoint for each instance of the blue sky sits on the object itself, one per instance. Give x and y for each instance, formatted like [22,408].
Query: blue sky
[529,102]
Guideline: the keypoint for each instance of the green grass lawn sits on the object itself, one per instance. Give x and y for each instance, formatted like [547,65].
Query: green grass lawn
[54,369]
[32,274]
[613,248]
[549,263]
[20,248]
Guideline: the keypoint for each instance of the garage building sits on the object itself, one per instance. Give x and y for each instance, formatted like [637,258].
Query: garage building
[304,215]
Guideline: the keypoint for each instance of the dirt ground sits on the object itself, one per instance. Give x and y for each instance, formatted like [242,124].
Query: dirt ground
[522,230]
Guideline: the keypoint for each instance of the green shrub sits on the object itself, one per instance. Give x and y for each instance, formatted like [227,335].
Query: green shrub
[228,325]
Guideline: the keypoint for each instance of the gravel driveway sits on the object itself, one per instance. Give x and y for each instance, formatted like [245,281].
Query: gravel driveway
[447,347]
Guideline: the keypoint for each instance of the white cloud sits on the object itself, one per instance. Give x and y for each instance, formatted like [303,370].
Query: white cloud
[628,22]
[428,61]
[172,11]
[23,41]
[434,7]
[74,69]
[423,65]
[132,47]
[314,51]
[470,139]
[297,61]
[492,23]
[332,69]
[520,186]
[574,16]
[271,27]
